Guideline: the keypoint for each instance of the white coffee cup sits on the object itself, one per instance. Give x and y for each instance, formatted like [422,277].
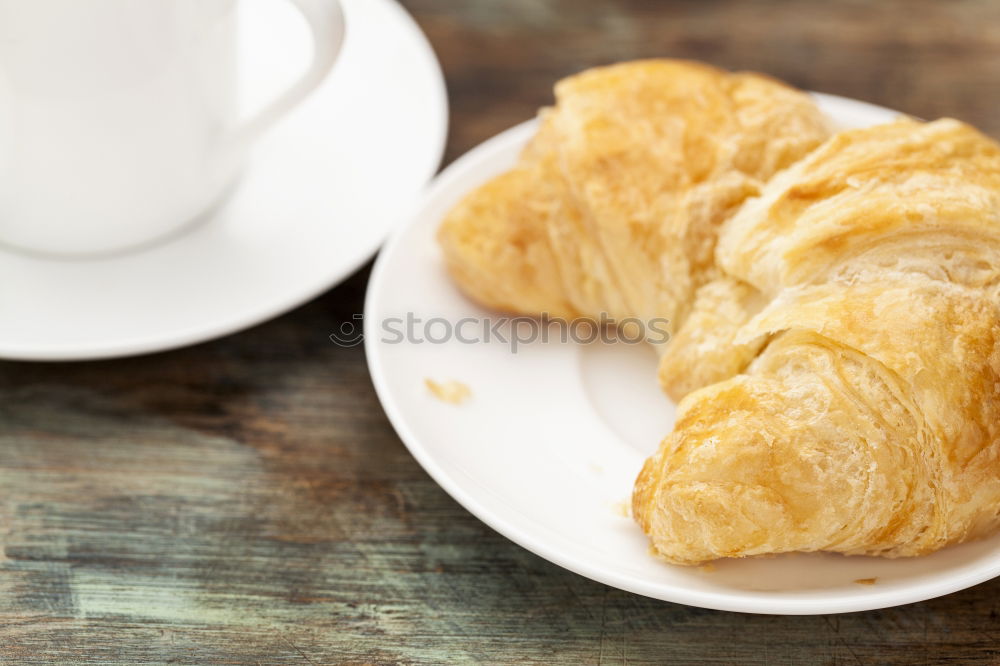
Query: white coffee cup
[118,118]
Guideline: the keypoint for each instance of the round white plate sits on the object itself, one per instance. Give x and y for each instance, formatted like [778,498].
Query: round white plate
[322,191]
[548,446]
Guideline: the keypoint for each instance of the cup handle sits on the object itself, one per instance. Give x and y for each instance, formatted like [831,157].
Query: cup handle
[326,21]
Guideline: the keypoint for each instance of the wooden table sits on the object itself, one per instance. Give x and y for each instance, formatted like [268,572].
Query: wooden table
[246,501]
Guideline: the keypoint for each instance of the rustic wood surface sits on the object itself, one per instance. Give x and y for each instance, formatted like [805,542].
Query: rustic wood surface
[246,501]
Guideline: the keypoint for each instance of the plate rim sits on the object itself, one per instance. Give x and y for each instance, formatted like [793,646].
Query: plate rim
[743,601]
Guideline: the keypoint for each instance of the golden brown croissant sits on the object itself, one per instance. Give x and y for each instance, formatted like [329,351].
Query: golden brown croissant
[615,205]
[870,421]
[839,346]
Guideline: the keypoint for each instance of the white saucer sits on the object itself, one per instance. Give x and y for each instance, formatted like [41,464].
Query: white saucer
[323,190]
[550,442]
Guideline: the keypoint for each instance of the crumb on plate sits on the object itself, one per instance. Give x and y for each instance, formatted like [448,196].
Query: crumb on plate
[866,581]
[707,568]
[623,508]
[453,392]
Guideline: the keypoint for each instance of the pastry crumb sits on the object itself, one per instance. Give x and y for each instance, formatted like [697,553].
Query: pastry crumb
[623,508]
[707,568]
[866,581]
[453,392]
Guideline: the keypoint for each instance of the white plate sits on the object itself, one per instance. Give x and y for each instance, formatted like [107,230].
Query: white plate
[553,436]
[323,190]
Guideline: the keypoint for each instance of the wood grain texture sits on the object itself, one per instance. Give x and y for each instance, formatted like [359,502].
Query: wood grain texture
[245,501]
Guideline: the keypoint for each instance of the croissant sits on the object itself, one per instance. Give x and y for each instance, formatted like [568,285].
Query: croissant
[850,397]
[614,207]
[835,301]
